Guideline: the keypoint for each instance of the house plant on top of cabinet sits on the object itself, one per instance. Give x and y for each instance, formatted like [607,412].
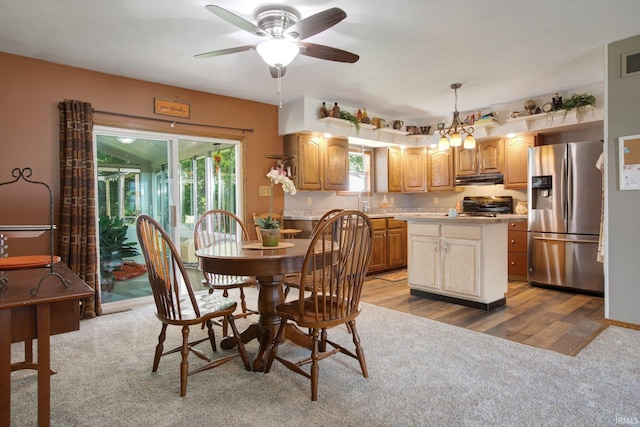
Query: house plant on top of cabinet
[577,102]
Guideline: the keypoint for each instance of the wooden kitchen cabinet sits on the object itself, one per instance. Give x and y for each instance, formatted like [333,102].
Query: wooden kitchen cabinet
[516,160]
[458,262]
[400,170]
[517,238]
[319,163]
[414,170]
[388,169]
[389,250]
[440,175]
[485,158]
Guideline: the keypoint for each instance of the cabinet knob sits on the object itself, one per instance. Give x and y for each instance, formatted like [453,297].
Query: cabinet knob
[513,263]
[513,224]
[513,241]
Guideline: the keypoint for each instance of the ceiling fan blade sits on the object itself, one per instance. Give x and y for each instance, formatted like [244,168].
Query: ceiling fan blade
[225,51]
[315,24]
[274,72]
[325,52]
[237,21]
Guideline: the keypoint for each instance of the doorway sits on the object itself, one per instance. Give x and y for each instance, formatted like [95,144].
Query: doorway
[173,178]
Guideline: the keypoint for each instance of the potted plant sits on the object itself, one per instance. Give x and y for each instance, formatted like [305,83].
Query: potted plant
[113,248]
[577,102]
[269,230]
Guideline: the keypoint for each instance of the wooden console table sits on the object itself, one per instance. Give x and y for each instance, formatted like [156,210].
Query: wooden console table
[54,310]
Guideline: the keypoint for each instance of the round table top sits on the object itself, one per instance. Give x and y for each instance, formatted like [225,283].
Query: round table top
[236,259]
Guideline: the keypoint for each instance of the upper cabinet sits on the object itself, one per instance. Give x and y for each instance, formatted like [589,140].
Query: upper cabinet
[400,170]
[440,175]
[319,163]
[486,158]
[516,159]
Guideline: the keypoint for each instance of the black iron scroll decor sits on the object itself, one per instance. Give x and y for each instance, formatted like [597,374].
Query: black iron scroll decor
[25,174]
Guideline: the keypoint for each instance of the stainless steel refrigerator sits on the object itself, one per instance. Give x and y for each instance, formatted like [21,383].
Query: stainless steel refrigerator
[565,200]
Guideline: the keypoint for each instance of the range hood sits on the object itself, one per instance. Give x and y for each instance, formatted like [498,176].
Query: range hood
[483,179]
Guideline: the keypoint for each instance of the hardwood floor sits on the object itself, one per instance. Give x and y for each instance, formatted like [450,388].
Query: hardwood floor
[560,321]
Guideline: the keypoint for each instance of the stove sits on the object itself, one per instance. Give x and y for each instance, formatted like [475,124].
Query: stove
[490,206]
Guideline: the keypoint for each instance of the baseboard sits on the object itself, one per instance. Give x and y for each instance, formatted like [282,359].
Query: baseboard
[622,324]
[460,301]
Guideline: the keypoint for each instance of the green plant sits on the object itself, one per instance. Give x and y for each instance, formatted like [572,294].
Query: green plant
[267,223]
[345,115]
[113,246]
[576,102]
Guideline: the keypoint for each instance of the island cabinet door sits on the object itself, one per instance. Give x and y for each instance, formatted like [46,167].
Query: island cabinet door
[461,266]
[424,262]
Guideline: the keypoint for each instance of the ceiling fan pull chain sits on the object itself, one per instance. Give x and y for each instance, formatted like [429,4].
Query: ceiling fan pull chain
[280,87]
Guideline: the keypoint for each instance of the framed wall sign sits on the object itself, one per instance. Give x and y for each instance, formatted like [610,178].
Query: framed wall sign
[629,162]
[171,108]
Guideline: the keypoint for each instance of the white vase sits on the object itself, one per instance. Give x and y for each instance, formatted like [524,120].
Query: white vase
[521,207]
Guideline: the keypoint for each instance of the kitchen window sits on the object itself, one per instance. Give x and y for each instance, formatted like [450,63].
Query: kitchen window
[360,173]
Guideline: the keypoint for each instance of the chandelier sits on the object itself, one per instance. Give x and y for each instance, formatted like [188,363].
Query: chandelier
[452,137]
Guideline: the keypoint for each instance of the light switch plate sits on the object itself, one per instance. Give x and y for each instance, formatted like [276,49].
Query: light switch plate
[264,190]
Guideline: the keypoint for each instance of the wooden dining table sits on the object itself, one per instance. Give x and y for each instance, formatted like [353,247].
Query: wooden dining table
[269,266]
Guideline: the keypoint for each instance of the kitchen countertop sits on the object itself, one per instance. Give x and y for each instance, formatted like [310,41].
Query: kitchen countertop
[314,216]
[460,219]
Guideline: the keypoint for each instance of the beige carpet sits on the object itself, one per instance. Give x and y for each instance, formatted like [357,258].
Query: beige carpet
[422,373]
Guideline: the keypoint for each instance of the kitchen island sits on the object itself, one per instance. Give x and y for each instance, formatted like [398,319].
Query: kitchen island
[459,259]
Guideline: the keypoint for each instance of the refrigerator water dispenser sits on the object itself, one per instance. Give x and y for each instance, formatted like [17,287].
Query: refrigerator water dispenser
[541,192]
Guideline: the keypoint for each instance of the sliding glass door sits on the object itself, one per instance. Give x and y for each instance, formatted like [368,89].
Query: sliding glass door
[172,178]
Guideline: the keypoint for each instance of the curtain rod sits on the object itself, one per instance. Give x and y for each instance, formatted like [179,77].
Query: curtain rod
[173,122]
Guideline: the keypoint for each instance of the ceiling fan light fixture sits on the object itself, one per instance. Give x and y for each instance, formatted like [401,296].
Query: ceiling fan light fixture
[277,52]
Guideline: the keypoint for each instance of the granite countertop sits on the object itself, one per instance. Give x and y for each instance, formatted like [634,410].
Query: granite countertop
[460,219]
[315,215]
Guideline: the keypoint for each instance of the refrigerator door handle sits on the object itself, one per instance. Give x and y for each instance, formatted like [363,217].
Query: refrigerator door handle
[563,189]
[557,239]
[569,189]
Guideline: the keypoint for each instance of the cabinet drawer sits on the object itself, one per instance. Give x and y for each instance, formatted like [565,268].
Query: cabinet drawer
[379,223]
[462,231]
[396,223]
[517,264]
[518,226]
[517,241]
[424,230]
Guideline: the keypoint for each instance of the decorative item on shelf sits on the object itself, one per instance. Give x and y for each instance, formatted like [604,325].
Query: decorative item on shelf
[556,102]
[377,122]
[412,130]
[577,102]
[359,115]
[324,112]
[452,137]
[335,110]
[424,130]
[345,115]
[397,124]
[365,118]
[530,106]
[515,114]
[269,230]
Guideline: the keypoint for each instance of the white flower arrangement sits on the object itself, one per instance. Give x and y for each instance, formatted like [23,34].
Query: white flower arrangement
[279,177]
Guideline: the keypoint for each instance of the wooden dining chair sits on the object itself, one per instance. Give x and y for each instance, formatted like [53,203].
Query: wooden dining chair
[176,303]
[217,226]
[293,280]
[334,269]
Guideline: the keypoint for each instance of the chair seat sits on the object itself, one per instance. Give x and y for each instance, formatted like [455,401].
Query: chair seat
[221,281]
[290,310]
[208,309]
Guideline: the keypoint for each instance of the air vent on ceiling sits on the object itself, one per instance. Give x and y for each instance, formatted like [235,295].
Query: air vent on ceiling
[630,64]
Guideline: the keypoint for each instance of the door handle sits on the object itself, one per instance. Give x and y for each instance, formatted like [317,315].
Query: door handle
[557,239]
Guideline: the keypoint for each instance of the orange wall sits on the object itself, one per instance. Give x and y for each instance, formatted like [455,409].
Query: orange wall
[31,91]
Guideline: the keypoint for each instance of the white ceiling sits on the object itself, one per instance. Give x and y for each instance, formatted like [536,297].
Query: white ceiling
[410,50]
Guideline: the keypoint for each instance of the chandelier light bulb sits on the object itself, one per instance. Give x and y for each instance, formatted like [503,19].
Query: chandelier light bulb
[443,144]
[469,142]
[455,140]
[277,52]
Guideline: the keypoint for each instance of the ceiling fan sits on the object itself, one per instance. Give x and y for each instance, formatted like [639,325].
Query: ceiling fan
[283,32]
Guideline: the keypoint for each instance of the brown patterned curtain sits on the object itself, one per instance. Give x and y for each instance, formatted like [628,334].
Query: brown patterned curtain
[77,229]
